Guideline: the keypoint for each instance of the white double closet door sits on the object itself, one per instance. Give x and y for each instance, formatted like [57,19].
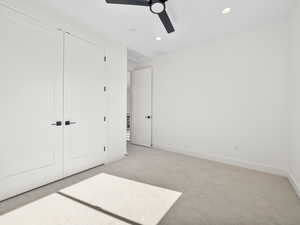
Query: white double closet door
[47,76]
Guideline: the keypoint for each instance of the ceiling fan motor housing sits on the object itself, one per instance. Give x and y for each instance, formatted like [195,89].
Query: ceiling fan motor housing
[157,6]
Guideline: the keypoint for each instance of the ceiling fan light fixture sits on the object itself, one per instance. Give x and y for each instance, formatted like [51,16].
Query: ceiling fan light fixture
[157,7]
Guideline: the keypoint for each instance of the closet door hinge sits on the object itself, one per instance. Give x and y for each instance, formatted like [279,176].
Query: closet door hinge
[104,148]
[105,89]
[105,58]
[104,118]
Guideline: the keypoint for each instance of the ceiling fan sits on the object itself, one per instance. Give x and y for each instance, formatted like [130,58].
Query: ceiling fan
[157,7]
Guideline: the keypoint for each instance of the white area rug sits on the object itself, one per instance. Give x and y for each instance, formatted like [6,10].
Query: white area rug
[57,210]
[138,202]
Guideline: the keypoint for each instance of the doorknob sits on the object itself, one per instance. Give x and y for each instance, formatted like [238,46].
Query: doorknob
[57,123]
[68,123]
[148,117]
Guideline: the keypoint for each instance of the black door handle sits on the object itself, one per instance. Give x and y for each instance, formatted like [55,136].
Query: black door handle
[148,117]
[68,123]
[57,123]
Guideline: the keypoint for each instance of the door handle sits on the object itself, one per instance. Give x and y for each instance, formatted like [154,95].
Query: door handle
[148,117]
[68,123]
[57,123]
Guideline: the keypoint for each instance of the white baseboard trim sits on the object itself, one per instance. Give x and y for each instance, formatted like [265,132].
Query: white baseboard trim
[294,183]
[229,161]
[234,162]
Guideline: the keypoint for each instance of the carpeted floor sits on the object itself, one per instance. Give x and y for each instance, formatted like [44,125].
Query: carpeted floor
[213,193]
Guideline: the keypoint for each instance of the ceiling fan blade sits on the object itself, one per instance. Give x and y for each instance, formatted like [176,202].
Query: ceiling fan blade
[129,2]
[165,19]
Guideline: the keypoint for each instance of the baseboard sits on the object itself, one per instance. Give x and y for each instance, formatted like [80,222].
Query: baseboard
[243,164]
[229,161]
[294,183]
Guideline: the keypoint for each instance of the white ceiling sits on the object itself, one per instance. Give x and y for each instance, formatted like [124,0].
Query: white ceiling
[194,20]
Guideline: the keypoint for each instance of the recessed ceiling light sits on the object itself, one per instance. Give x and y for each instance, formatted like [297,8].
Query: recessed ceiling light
[158,38]
[226,11]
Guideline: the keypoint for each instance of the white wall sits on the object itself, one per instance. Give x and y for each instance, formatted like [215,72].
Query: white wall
[48,16]
[226,100]
[116,67]
[295,81]
[128,92]
[131,65]
[117,101]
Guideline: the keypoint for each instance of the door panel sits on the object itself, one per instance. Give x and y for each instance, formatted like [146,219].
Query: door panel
[141,107]
[84,103]
[30,96]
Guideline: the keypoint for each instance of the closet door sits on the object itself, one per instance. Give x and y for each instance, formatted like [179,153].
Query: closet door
[84,105]
[31,100]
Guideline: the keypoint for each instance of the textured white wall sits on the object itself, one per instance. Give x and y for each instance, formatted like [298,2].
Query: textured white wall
[226,100]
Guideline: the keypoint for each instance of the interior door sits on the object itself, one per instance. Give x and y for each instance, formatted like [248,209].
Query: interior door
[31,101]
[84,105]
[141,123]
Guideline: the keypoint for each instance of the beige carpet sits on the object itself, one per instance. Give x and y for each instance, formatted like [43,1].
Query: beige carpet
[214,193]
